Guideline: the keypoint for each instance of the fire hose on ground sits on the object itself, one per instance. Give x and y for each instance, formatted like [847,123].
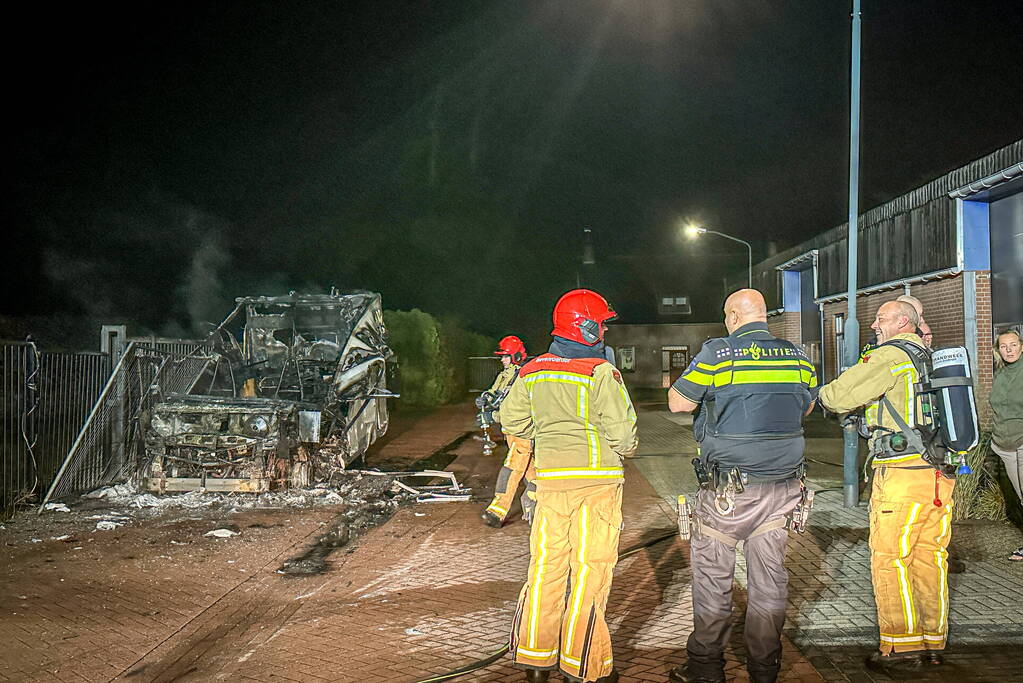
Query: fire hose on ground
[493,657]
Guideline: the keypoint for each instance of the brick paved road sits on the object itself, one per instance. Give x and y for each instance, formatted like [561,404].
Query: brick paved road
[433,589]
[831,613]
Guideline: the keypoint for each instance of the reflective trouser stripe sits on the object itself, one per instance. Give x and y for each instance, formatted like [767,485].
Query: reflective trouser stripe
[583,473]
[905,588]
[909,539]
[497,509]
[578,587]
[941,562]
[885,638]
[517,464]
[538,576]
[573,543]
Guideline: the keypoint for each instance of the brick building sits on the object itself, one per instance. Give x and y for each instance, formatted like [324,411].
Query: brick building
[955,243]
[654,355]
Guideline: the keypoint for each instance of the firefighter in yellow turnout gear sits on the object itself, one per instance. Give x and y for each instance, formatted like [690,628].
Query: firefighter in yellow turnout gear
[519,461]
[575,407]
[910,501]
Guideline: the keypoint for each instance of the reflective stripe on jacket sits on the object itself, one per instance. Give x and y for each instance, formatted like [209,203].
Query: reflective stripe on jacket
[504,379]
[749,384]
[579,415]
[885,371]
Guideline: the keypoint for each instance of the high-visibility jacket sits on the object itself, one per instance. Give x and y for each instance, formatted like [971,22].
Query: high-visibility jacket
[885,371]
[501,385]
[580,417]
[753,390]
[504,379]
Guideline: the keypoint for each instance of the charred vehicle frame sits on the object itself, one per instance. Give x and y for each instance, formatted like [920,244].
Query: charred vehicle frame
[299,397]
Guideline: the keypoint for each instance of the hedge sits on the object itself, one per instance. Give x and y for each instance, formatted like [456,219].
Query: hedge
[432,355]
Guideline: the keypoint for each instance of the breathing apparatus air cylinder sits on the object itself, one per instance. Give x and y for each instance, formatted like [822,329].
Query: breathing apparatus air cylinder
[954,404]
[948,428]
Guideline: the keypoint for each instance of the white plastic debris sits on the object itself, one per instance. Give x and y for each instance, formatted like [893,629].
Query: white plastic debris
[148,500]
[107,525]
[56,507]
[118,517]
[221,533]
[63,537]
[119,491]
[413,632]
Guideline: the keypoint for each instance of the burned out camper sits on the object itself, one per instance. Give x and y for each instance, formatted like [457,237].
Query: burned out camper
[297,392]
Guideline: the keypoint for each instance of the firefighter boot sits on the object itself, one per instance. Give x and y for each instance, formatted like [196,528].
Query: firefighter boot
[610,678]
[537,675]
[490,519]
[896,665]
[683,674]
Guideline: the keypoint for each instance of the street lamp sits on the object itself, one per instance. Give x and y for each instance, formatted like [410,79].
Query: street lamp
[694,231]
[588,258]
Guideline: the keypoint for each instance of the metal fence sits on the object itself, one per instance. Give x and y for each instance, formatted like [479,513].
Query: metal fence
[482,371]
[46,397]
[111,446]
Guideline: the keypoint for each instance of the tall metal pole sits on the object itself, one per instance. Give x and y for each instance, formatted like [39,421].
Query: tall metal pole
[749,265]
[850,477]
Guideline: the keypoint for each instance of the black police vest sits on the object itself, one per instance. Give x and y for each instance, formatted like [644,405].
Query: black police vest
[759,391]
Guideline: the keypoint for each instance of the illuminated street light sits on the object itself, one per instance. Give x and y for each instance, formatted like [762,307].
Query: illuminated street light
[694,231]
[588,257]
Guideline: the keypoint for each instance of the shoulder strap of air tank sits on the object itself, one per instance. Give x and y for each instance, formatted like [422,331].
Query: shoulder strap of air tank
[919,356]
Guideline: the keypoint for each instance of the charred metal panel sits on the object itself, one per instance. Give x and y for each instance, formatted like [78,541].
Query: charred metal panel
[309,426]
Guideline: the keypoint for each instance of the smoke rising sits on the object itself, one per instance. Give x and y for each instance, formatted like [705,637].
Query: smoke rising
[203,290]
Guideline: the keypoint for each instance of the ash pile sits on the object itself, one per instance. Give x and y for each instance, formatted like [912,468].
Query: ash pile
[361,499]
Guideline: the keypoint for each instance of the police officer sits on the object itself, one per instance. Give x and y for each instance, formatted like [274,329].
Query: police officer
[752,391]
[519,461]
[572,402]
[910,500]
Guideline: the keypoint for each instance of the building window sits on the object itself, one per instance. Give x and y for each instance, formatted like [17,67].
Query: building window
[674,305]
[839,342]
[627,358]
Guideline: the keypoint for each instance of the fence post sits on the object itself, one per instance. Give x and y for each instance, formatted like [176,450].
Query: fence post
[112,340]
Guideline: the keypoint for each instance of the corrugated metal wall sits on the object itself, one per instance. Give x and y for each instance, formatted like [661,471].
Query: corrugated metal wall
[913,234]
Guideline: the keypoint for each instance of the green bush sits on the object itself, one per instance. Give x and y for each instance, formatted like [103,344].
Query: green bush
[432,356]
[977,495]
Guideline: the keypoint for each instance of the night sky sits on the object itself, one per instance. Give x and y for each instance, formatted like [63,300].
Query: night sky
[163,160]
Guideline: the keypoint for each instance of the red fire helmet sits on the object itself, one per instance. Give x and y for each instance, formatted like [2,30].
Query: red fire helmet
[512,346]
[579,315]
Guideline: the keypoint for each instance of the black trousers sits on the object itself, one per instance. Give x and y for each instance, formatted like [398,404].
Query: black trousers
[758,521]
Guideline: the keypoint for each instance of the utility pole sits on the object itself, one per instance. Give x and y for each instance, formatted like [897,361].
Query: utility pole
[850,479]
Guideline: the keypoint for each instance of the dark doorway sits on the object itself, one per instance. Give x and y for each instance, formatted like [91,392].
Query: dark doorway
[1007,261]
